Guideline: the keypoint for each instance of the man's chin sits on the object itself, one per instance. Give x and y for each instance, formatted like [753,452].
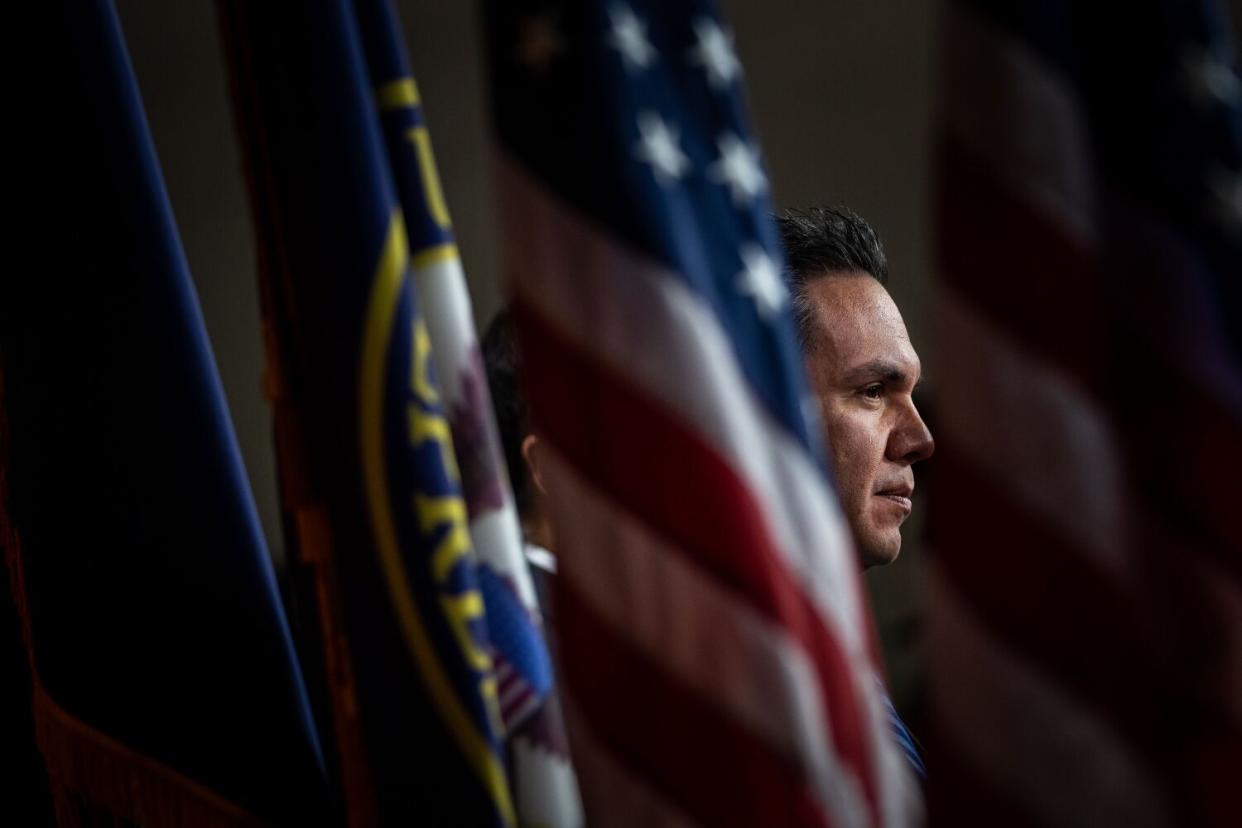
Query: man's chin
[878,551]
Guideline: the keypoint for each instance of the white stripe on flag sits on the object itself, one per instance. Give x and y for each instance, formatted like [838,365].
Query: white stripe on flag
[523,708]
[625,311]
[1071,472]
[545,785]
[648,327]
[513,690]
[445,304]
[496,536]
[702,634]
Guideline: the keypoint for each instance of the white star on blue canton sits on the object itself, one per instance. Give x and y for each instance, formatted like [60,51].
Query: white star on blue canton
[657,146]
[714,52]
[629,37]
[738,168]
[761,280]
[1211,78]
[1226,187]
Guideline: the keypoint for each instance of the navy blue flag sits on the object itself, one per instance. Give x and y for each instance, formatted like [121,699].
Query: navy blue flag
[370,477]
[166,689]
[542,779]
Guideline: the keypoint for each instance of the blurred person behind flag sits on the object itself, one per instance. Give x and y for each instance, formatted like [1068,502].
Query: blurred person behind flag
[544,786]
[716,645]
[862,367]
[166,689]
[370,478]
[1085,622]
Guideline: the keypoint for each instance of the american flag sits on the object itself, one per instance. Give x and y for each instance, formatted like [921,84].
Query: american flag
[715,642]
[1086,611]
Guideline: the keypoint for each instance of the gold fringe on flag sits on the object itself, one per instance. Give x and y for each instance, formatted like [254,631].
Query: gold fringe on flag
[94,779]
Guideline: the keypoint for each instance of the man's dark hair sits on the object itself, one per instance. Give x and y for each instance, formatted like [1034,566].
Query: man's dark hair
[504,376]
[822,241]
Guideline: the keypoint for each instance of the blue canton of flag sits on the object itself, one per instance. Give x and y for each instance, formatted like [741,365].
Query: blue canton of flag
[657,148]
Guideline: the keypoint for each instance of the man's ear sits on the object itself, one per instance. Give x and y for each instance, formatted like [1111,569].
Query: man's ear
[532,451]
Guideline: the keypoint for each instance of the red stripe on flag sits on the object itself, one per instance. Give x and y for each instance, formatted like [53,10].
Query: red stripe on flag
[1186,458]
[960,795]
[1020,269]
[664,473]
[1042,595]
[1052,296]
[697,756]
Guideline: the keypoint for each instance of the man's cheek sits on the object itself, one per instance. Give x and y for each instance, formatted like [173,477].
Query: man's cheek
[850,447]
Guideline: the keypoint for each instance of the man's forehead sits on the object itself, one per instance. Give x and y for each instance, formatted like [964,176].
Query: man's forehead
[860,327]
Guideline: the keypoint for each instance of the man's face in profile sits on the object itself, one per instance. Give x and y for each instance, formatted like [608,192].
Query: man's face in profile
[863,370]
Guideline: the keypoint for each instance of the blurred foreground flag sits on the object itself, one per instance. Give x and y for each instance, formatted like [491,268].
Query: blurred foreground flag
[1086,614]
[714,639]
[370,479]
[545,790]
[166,687]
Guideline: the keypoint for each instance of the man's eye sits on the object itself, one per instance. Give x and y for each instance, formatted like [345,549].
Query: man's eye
[873,392]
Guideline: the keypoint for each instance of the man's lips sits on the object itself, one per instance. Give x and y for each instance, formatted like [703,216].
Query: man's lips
[898,495]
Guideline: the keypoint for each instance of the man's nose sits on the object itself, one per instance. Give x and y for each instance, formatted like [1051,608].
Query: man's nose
[911,441]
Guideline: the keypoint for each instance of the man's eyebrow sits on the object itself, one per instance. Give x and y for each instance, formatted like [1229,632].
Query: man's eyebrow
[883,369]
